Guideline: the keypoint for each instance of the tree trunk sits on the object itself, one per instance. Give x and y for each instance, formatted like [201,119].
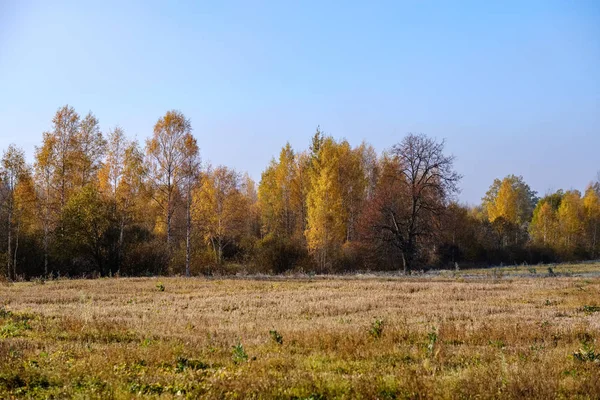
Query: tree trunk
[220,251]
[46,250]
[169,227]
[188,233]
[100,263]
[46,230]
[16,250]
[9,255]
[169,212]
[214,246]
[120,244]
[594,240]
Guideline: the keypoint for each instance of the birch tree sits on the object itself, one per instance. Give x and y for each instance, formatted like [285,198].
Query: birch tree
[166,161]
[12,171]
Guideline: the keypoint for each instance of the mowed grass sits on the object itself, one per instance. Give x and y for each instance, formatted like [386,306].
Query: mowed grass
[302,338]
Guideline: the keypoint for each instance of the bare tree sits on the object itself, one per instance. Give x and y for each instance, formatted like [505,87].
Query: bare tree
[417,182]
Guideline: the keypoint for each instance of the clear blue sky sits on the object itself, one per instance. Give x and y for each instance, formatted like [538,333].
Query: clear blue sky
[514,87]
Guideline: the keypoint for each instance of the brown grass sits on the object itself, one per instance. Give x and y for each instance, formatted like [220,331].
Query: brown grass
[518,337]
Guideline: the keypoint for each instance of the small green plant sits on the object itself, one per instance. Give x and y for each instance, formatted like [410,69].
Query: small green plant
[432,338]
[276,336]
[551,272]
[238,354]
[588,309]
[142,388]
[586,353]
[532,271]
[160,287]
[14,328]
[545,324]
[376,329]
[4,313]
[183,363]
[15,324]
[314,396]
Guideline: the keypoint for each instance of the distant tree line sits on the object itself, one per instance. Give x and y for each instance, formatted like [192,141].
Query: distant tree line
[96,203]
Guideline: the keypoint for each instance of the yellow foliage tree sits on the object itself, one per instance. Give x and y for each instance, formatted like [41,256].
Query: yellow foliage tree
[570,220]
[505,204]
[13,174]
[510,198]
[121,180]
[166,163]
[56,169]
[327,216]
[544,225]
[276,195]
[89,151]
[220,209]
[353,184]
[591,205]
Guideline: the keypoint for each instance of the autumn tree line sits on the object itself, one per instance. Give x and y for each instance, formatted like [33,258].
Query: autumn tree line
[96,203]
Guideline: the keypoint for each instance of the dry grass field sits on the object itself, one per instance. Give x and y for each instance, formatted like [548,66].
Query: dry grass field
[455,335]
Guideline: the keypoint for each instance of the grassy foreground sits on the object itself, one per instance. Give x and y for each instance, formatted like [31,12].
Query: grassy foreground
[335,337]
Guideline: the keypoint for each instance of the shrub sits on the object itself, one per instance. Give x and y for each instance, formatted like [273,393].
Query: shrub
[588,309]
[183,363]
[276,336]
[14,328]
[4,281]
[376,329]
[4,313]
[238,354]
[432,338]
[587,354]
[497,273]
[279,255]
[15,324]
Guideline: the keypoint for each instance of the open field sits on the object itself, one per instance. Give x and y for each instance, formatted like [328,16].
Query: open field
[582,269]
[493,336]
